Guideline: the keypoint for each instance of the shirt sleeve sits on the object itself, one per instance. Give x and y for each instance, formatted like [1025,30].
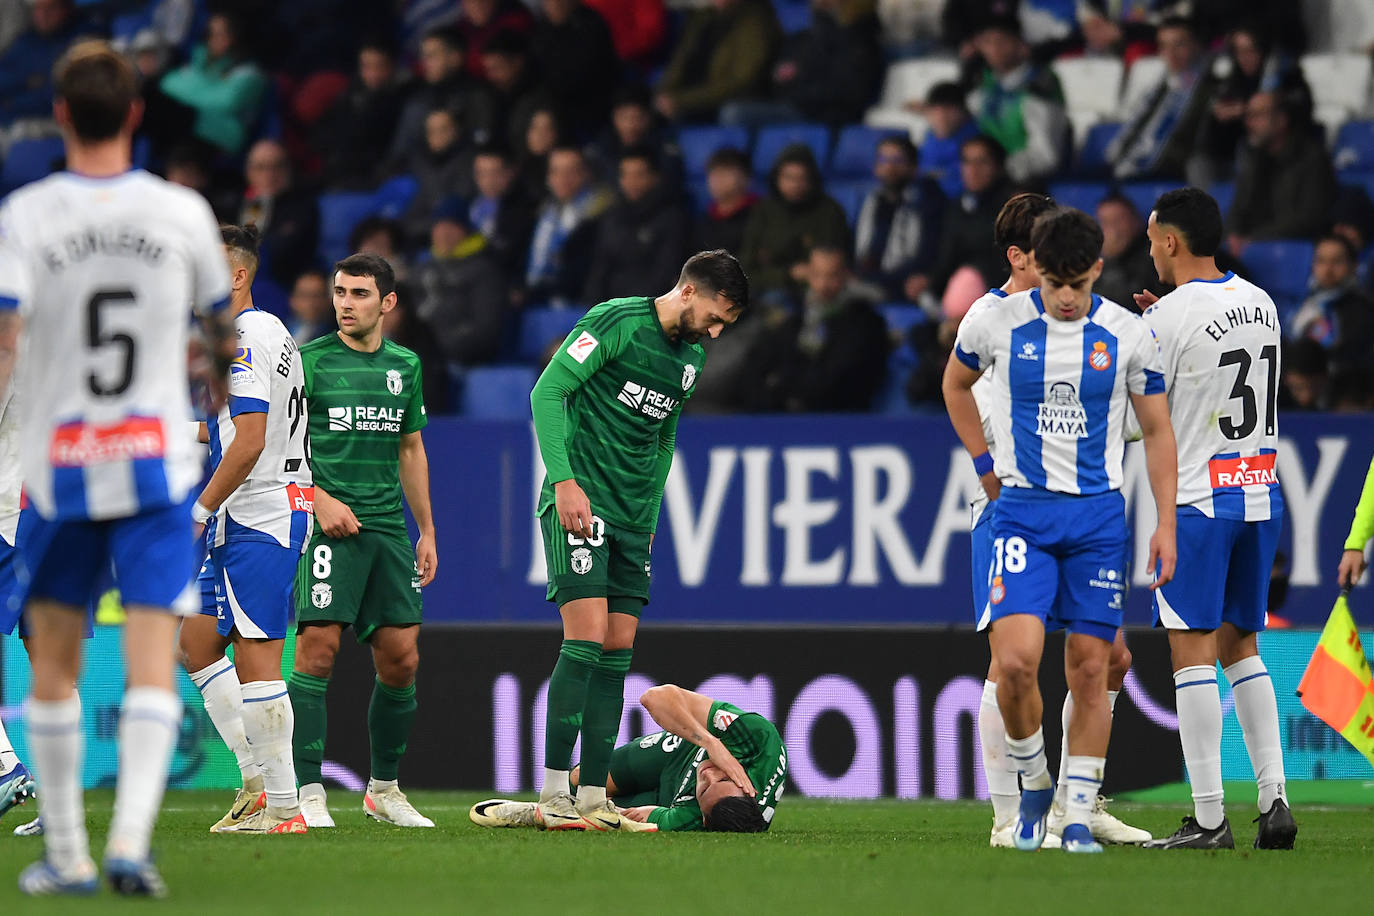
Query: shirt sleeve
[1167,342]
[667,445]
[577,359]
[15,283]
[1144,369]
[1362,528]
[686,816]
[211,285]
[250,374]
[417,418]
[584,352]
[973,344]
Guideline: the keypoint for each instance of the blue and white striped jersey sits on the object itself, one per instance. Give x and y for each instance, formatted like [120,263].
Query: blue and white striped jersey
[1066,384]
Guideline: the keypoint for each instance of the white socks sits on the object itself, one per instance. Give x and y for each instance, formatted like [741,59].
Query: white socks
[1258,712]
[148,732]
[1060,789]
[1199,730]
[589,797]
[8,758]
[1084,778]
[1029,754]
[555,783]
[58,744]
[219,687]
[998,768]
[267,723]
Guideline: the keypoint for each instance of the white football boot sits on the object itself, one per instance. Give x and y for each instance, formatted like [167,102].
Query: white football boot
[1105,827]
[390,806]
[314,806]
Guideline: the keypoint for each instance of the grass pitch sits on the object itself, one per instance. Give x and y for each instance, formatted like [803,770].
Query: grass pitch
[822,857]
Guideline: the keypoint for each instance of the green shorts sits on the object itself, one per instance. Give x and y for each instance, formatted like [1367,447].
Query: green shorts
[638,769]
[365,581]
[613,564]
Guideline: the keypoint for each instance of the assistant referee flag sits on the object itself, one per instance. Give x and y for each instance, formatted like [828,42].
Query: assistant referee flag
[1337,687]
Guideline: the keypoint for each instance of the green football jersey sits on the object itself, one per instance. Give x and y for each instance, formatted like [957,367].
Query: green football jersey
[360,404]
[633,379]
[753,740]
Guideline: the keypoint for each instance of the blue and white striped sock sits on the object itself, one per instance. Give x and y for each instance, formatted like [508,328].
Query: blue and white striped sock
[1199,731]
[1258,712]
[1029,754]
[1083,776]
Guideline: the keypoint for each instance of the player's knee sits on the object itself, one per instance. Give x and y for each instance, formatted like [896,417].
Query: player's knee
[1018,671]
[315,651]
[1087,672]
[398,668]
[1119,663]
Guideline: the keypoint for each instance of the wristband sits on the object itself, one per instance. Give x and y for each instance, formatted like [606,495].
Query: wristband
[982,464]
[199,514]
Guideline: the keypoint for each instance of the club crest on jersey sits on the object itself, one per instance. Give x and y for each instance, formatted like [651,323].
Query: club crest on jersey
[321,595]
[1061,415]
[1099,358]
[393,381]
[581,561]
[689,375]
[997,592]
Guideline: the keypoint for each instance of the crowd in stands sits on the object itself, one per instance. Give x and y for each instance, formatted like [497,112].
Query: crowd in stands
[521,161]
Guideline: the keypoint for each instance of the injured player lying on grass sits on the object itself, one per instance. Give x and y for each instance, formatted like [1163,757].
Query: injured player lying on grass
[713,767]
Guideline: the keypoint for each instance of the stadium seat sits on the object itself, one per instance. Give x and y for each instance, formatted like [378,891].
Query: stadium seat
[1092,157]
[770,141]
[1144,193]
[901,317]
[699,143]
[1338,79]
[898,121]
[1224,192]
[497,392]
[1091,84]
[340,211]
[1280,267]
[856,147]
[793,16]
[393,198]
[1362,180]
[1354,147]
[910,80]
[1143,76]
[850,195]
[539,325]
[30,160]
[891,398]
[1084,195]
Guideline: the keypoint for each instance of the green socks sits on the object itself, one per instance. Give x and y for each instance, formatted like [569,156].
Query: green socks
[601,714]
[567,695]
[307,738]
[389,717]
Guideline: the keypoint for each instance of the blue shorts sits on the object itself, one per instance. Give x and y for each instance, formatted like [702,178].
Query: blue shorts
[11,606]
[153,555]
[205,581]
[1060,558]
[980,544]
[254,582]
[1223,574]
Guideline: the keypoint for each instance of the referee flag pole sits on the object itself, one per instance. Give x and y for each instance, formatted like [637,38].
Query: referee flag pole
[1337,687]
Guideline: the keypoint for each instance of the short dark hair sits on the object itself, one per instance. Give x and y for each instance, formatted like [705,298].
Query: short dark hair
[494,149]
[634,94]
[449,35]
[995,149]
[735,814]
[1016,219]
[1351,254]
[379,44]
[98,86]
[903,143]
[717,272]
[371,226]
[1066,242]
[1195,214]
[369,265]
[1114,196]
[729,157]
[1305,356]
[1178,22]
[508,43]
[644,153]
[951,94]
[243,241]
[831,248]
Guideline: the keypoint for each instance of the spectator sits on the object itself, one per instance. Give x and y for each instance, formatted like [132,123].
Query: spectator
[1337,313]
[542,134]
[963,20]
[634,125]
[834,356]
[384,238]
[1249,66]
[403,326]
[188,165]
[1019,104]
[968,221]
[910,28]
[727,214]
[514,92]
[501,210]
[565,232]
[950,125]
[444,83]
[638,28]
[441,169]
[828,72]
[312,310]
[287,216]
[26,65]
[224,87]
[1352,390]
[723,54]
[1285,185]
[1157,138]
[898,230]
[462,292]
[481,20]
[796,216]
[1126,264]
[1121,29]
[164,118]
[641,241]
[1304,379]
[355,134]
[576,60]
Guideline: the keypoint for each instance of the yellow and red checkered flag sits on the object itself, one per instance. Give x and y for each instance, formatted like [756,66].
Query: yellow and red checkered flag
[1337,687]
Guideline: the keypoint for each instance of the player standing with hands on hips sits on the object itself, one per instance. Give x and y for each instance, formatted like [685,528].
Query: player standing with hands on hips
[605,413]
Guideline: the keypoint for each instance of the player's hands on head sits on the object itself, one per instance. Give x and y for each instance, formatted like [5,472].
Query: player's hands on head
[991,484]
[1144,299]
[335,518]
[720,755]
[1163,556]
[1351,569]
[426,559]
[574,510]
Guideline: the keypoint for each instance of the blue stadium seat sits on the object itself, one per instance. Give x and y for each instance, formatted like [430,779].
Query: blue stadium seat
[856,147]
[497,392]
[891,398]
[901,317]
[1084,195]
[269,297]
[30,160]
[1280,267]
[1144,193]
[1355,146]
[1092,157]
[1224,193]
[850,195]
[393,198]
[770,140]
[699,143]
[340,211]
[539,325]
[793,16]
[1362,180]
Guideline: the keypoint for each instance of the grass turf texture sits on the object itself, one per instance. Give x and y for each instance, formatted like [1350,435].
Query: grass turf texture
[859,857]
